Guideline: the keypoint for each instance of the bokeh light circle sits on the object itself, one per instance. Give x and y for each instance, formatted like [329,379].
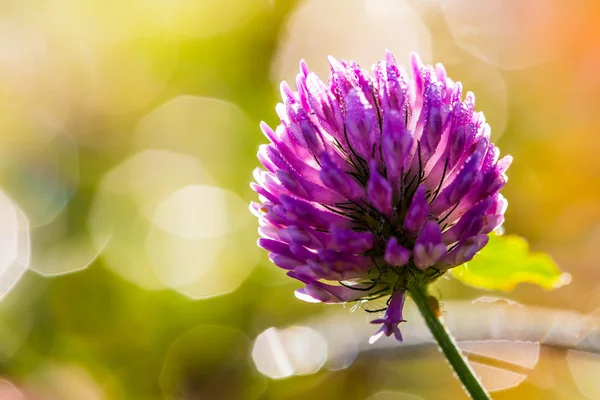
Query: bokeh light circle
[363,29]
[8,391]
[64,382]
[14,244]
[210,362]
[217,132]
[296,350]
[170,226]
[510,34]
[199,243]
[585,369]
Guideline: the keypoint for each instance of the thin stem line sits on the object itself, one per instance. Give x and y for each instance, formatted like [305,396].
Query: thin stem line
[448,346]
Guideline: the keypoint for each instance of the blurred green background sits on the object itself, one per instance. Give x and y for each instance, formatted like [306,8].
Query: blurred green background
[128,133]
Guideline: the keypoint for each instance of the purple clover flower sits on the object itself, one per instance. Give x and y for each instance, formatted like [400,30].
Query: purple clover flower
[375,183]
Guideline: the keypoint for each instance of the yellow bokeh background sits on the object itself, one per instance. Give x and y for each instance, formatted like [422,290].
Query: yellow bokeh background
[128,137]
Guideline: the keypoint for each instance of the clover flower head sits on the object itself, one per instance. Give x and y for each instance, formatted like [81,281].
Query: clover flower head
[375,183]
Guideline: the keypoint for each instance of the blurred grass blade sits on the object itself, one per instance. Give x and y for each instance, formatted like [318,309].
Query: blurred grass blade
[505,262]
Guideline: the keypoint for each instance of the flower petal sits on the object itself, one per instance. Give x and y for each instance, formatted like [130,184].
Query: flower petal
[429,248]
[416,216]
[380,192]
[395,254]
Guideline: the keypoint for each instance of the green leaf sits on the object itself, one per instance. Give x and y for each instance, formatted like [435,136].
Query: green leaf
[505,262]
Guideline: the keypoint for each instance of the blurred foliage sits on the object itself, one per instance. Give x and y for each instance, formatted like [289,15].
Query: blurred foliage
[505,262]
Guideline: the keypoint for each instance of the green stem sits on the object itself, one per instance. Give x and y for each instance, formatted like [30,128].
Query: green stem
[447,344]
